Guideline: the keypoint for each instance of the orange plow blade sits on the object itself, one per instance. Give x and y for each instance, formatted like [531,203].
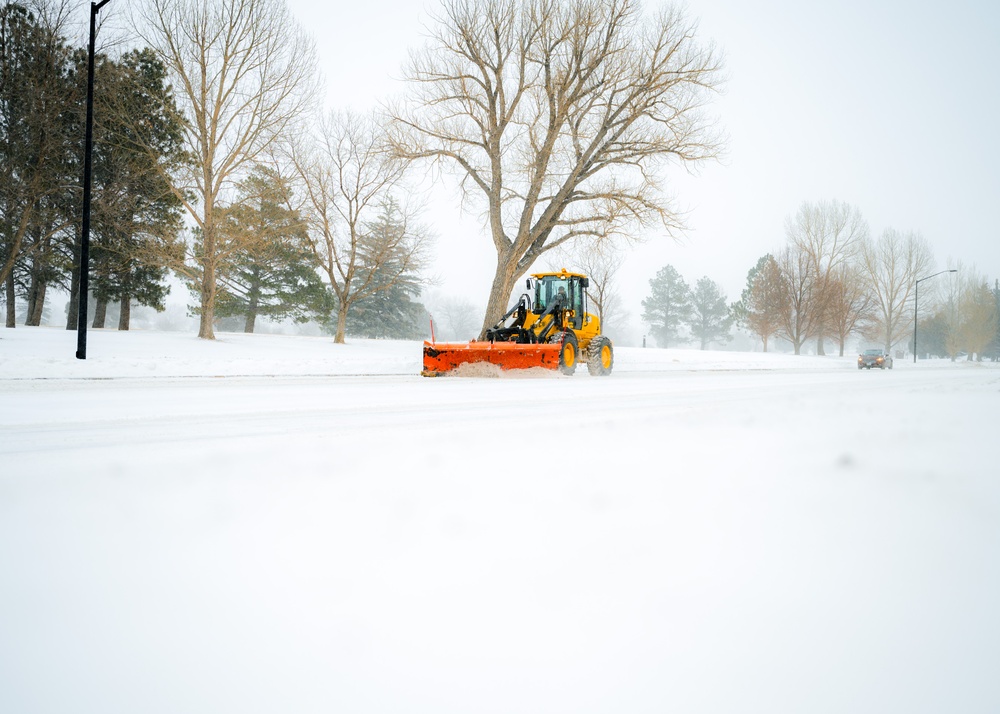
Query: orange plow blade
[444,357]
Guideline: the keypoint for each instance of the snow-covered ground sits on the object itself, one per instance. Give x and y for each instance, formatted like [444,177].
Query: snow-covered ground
[280,524]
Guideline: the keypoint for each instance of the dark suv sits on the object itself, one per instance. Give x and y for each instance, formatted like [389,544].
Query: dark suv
[874,358]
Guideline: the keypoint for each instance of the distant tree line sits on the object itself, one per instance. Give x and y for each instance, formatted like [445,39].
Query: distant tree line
[832,280]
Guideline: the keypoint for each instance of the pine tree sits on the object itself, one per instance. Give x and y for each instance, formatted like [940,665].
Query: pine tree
[710,319]
[136,217]
[668,306]
[273,273]
[761,304]
[37,152]
[389,314]
[386,283]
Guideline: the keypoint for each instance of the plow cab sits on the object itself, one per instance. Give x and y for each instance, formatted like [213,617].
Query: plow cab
[548,328]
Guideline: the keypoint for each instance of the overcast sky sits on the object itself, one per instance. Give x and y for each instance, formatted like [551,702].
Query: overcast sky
[891,106]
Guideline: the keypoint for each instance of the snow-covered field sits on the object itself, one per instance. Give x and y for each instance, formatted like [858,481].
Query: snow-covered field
[280,524]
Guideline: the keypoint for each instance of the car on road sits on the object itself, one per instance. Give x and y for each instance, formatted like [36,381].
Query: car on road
[874,358]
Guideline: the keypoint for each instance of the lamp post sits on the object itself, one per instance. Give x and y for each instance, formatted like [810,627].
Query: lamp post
[916,297]
[88,147]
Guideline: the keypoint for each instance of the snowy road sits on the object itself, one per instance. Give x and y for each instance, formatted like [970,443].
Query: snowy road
[689,541]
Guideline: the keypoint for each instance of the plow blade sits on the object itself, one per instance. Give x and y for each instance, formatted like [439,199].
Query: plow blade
[442,357]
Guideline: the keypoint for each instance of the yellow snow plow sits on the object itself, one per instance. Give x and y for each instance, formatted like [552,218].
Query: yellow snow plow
[548,328]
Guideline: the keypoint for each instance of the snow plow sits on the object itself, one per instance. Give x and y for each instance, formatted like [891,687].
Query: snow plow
[548,328]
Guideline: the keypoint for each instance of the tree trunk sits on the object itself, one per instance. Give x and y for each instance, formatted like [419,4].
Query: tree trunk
[73,313]
[843,343]
[206,327]
[250,321]
[765,342]
[32,297]
[503,285]
[341,322]
[37,305]
[100,313]
[125,315]
[251,310]
[9,288]
[820,350]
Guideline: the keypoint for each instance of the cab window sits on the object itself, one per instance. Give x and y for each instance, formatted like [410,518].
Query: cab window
[546,291]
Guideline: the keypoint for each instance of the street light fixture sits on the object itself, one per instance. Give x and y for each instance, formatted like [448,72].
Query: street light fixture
[88,147]
[916,297]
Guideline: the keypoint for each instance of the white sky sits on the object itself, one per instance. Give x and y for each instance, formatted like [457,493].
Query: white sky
[890,106]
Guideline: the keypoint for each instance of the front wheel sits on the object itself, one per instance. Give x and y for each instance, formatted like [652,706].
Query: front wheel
[600,356]
[568,353]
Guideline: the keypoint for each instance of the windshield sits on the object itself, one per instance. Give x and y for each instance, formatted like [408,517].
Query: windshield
[547,289]
[873,353]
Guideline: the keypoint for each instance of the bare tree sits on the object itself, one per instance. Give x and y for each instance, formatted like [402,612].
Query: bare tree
[460,318]
[828,234]
[243,70]
[560,116]
[600,262]
[801,317]
[348,182]
[892,265]
[849,303]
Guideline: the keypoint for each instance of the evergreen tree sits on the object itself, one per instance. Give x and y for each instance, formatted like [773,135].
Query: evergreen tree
[668,306]
[389,314]
[760,307]
[386,282]
[710,319]
[37,152]
[273,274]
[136,218]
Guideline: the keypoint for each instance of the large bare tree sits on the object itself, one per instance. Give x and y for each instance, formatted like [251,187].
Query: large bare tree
[559,116]
[243,70]
[892,265]
[365,239]
[828,234]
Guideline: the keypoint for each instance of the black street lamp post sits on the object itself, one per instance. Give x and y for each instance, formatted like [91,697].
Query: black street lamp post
[88,147]
[916,297]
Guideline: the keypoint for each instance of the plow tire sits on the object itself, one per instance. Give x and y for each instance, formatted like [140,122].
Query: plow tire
[600,356]
[569,355]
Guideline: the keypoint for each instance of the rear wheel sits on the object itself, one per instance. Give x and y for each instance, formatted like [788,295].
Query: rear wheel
[600,356]
[569,353]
